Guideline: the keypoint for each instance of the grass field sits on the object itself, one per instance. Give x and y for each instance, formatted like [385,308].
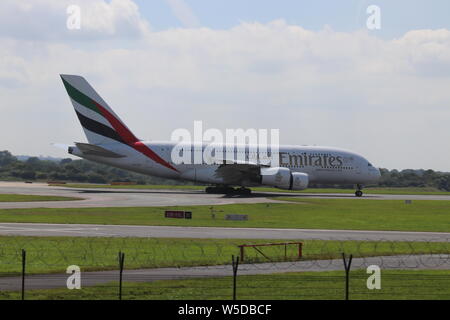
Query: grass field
[370,190]
[395,285]
[421,215]
[54,254]
[30,198]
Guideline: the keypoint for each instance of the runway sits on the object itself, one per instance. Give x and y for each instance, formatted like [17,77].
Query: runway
[157,198]
[115,197]
[143,198]
[89,230]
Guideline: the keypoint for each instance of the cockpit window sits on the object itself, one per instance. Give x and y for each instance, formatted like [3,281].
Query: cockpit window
[370,165]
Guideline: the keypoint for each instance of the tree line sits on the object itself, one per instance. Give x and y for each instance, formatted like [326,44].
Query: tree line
[68,170]
[84,171]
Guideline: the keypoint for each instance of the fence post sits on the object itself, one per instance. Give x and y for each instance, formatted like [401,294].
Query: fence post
[24,256]
[285,251]
[347,274]
[235,264]
[121,260]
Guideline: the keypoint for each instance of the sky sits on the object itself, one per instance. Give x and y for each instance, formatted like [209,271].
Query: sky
[312,69]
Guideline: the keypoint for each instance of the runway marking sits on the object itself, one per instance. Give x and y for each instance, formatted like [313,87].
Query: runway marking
[212,229]
[214,232]
[69,230]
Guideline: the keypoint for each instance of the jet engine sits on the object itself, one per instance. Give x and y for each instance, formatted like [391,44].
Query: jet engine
[283,178]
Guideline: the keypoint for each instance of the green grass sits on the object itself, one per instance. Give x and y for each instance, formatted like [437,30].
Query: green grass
[30,198]
[354,214]
[55,254]
[370,190]
[395,285]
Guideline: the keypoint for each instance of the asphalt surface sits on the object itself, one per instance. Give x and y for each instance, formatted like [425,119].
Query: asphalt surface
[89,230]
[129,198]
[143,198]
[115,197]
[150,197]
[49,281]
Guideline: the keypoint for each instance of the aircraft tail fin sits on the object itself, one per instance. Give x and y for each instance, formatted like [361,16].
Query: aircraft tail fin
[100,123]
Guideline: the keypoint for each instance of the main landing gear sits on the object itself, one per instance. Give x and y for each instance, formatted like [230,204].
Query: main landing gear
[228,190]
[359,192]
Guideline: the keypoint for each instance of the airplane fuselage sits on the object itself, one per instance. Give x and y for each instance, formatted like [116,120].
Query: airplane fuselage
[323,165]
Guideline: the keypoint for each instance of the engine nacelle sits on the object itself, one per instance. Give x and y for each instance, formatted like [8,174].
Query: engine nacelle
[300,181]
[283,178]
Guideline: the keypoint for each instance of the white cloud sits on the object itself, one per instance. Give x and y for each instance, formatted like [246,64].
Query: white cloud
[387,99]
[46,20]
[184,13]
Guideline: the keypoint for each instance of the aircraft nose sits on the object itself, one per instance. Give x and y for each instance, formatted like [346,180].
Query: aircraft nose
[374,174]
[378,174]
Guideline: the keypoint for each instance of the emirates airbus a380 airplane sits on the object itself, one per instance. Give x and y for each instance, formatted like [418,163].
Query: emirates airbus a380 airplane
[111,142]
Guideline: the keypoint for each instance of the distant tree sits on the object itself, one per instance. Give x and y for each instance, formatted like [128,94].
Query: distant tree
[33,161]
[443,183]
[65,161]
[87,171]
[28,175]
[95,178]
[41,176]
[6,158]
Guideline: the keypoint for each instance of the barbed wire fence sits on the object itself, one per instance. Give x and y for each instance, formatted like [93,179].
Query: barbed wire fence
[139,268]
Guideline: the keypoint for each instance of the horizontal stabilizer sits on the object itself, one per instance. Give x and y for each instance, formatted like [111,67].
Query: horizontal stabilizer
[93,150]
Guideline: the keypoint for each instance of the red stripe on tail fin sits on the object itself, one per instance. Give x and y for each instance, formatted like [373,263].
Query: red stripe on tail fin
[131,140]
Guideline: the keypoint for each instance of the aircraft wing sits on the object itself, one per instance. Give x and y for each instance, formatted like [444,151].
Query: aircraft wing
[238,172]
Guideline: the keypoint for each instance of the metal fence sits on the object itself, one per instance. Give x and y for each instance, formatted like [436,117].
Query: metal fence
[130,268]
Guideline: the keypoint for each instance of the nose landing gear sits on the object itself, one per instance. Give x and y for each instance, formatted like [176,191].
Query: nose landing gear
[359,192]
